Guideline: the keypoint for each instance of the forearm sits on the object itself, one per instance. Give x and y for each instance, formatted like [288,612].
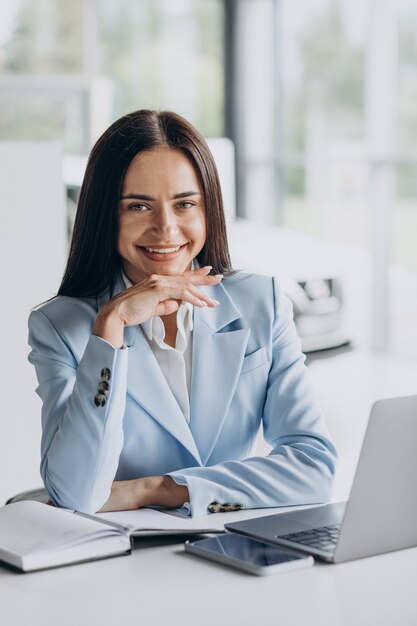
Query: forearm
[292,474]
[150,491]
[81,442]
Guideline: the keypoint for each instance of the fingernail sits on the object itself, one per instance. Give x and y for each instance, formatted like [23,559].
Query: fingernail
[218,276]
[207,267]
[215,301]
[203,303]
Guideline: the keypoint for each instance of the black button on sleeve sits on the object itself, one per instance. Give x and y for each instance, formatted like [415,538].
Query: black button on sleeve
[226,507]
[103,387]
[100,399]
[105,374]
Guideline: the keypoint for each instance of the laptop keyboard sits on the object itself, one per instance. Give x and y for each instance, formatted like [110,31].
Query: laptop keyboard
[324,538]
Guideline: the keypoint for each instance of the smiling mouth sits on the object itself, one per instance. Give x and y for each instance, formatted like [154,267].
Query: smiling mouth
[162,251]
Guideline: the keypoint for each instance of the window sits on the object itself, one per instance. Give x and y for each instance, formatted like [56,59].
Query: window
[322,117]
[68,69]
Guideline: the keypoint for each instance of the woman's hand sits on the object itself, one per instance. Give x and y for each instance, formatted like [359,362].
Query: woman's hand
[127,495]
[156,295]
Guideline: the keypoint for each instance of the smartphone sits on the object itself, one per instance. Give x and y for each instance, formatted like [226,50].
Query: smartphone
[248,554]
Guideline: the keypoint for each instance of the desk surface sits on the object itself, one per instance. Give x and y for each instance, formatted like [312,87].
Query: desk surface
[159,584]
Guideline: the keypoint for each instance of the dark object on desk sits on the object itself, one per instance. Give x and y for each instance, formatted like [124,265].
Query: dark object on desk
[381,514]
[248,555]
[328,353]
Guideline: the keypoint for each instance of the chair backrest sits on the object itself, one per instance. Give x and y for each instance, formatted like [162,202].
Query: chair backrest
[40,495]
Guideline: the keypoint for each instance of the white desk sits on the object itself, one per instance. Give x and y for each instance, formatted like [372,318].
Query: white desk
[162,585]
[159,584]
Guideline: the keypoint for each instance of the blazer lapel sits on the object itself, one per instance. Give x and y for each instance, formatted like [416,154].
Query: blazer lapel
[217,361]
[148,386]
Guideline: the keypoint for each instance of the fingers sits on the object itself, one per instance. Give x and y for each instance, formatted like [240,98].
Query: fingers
[161,295]
[166,307]
[188,293]
[198,298]
[185,287]
[200,270]
[200,276]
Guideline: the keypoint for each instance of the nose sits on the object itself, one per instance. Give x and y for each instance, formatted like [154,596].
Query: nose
[165,222]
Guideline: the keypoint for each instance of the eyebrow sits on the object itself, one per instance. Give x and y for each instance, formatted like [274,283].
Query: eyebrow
[142,196]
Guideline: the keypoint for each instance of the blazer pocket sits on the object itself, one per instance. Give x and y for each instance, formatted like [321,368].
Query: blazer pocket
[254,360]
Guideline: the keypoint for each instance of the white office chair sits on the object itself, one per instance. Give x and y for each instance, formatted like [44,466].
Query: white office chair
[40,495]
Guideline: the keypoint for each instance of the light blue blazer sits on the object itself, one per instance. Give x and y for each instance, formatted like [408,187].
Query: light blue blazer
[247,370]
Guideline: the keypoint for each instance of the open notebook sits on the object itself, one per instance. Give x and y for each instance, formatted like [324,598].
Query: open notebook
[37,536]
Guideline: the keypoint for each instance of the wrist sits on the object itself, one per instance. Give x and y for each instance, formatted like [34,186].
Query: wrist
[174,495]
[163,491]
[109,326]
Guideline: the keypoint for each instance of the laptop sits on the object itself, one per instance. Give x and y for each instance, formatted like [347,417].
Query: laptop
[381,513]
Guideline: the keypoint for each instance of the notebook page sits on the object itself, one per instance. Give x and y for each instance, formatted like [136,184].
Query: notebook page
[29,527]
[151,519]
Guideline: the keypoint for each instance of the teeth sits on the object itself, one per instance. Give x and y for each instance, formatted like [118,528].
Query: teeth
[163,250]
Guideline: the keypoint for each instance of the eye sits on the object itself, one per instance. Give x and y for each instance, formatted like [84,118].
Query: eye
[185,205]
[138,207]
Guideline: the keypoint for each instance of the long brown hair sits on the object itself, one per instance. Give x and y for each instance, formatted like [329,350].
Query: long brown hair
[93,261]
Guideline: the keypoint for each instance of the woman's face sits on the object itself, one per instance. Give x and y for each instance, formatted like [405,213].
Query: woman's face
[162,223]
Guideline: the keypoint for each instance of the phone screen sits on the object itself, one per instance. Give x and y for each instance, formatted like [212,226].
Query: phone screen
[252,553]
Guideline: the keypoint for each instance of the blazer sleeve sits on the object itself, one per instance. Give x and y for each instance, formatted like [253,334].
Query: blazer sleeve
[300,467]
[81,442]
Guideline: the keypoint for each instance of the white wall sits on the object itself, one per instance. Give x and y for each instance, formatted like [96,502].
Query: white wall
[32,257]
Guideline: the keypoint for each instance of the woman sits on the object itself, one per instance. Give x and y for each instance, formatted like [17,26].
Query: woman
[157,363]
